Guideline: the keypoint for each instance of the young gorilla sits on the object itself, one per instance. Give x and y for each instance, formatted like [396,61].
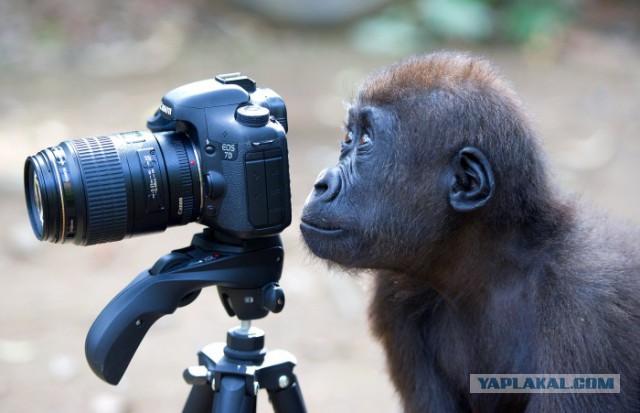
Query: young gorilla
[480,264]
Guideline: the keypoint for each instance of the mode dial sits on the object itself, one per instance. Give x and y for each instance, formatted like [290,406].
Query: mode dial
[252,115]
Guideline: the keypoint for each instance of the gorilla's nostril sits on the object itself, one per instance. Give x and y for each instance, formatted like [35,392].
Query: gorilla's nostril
[328,185]
[320,188]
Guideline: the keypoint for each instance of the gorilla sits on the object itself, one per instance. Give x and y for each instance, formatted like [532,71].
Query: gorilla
[481,264]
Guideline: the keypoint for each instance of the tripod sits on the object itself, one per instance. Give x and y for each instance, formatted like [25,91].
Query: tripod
[229,375]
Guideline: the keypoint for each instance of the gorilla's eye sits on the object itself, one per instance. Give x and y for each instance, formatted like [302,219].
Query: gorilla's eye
[364,139]
[348,138]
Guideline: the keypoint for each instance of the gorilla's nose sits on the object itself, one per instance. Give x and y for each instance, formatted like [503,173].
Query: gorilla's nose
[327,185]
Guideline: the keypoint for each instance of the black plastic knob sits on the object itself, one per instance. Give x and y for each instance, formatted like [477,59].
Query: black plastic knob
[273,298]
[253,116]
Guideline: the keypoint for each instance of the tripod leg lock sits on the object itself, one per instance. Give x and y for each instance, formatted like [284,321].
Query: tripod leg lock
[224,375]
[197,375]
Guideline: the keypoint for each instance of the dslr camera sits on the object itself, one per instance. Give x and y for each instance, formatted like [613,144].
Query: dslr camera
[215,152]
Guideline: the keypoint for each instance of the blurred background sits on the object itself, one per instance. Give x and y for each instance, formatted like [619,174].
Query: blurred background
[71,69]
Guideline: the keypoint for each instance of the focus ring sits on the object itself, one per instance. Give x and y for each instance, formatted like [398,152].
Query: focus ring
[105,189]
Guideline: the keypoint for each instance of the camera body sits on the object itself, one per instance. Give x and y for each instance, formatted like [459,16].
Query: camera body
[215,153]
[239,135]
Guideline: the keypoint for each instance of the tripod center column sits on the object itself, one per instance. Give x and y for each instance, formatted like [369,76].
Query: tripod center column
[245,343]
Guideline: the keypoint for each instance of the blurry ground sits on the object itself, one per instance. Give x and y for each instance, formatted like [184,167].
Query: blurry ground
[584,93]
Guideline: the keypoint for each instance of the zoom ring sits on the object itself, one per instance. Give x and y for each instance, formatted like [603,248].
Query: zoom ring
[105,189]
[186,182]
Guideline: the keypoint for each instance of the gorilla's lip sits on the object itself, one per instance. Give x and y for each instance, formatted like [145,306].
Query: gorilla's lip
[314,226]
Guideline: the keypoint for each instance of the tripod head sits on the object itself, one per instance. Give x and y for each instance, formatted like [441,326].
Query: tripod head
[246,272]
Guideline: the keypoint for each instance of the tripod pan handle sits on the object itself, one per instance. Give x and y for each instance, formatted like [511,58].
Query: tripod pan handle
[116,334]
[174,281]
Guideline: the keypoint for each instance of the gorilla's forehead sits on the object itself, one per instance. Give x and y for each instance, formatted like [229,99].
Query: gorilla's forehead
[369,115]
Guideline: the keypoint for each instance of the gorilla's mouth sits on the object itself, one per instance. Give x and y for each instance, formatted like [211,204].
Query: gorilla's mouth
[322,227]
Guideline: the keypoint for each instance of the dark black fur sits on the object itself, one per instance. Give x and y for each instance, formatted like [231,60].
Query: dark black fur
[481,265]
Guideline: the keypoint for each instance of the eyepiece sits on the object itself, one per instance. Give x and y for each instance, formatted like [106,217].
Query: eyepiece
[269,99]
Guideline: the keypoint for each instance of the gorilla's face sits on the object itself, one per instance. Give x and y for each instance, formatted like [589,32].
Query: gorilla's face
[375,207]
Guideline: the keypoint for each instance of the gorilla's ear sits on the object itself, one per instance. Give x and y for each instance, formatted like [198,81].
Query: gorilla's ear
[473,182]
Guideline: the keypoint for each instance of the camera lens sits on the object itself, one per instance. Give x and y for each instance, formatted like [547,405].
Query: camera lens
[105,188]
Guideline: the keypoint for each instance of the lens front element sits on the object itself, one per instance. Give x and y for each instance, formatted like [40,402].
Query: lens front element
[37,197]
[35,204]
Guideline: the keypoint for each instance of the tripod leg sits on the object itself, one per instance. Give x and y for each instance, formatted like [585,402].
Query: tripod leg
[200,400]
[288,400]
[232,397]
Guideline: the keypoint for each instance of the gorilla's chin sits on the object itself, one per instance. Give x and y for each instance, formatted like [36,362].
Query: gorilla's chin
[321,241]
[339,247]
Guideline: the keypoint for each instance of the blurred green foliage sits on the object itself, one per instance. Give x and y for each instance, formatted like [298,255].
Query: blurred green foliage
[404,26]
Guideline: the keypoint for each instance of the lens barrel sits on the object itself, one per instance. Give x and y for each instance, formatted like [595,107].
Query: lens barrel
[105,188]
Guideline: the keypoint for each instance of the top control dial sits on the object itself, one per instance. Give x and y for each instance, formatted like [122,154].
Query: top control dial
[253,116]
